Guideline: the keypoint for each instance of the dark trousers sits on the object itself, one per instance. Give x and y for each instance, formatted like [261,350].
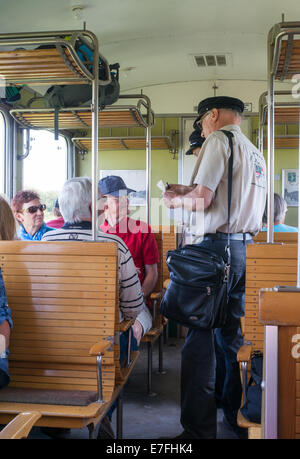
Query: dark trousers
[4,379]
[198,367]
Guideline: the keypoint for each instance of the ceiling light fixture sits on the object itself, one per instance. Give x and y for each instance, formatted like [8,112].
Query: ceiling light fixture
[77,12]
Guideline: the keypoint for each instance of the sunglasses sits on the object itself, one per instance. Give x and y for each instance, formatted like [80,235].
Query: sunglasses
[34,209]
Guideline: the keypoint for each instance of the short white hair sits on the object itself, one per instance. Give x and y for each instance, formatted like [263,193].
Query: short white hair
[75,199]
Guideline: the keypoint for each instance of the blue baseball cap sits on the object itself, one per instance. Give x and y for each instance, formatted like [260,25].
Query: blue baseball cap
[196,141]
[112,185]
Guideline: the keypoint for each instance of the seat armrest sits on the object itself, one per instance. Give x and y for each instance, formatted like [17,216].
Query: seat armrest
[244,353]
[156,296]
[100,348]
[126,324]
[20,426]
[166,283]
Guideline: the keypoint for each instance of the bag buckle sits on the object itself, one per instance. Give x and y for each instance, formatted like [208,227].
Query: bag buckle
[226,275]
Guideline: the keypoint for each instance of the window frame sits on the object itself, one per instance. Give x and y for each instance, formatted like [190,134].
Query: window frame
[9,142]
[70,153]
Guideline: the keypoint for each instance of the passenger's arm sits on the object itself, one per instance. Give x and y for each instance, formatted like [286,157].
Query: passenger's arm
[5,331]
[151,276]
[198,198]
[142,324]
[131,298]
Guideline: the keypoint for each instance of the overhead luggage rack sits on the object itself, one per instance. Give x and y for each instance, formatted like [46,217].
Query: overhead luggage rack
[284,50]
[284,113]
[54,59]
[124,143]
[284,142]
[81,117]
[78,117]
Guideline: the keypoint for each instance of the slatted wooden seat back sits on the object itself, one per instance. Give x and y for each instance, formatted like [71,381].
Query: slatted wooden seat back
[159,283]
[286,238]
[169,242]
[267,265]
[64,299]
[159,241]
[158,320]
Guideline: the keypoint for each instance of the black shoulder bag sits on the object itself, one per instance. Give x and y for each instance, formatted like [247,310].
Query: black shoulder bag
[197,292]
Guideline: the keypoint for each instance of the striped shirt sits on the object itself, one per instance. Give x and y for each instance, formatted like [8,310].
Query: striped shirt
[131,298]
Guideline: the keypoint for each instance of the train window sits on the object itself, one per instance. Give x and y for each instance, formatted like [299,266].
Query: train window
[2,153]
[45,167]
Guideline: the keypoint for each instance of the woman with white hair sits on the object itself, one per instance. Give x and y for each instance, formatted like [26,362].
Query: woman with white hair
[280,210]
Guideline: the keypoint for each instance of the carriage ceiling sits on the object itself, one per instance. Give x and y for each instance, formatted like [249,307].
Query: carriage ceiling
[155,41]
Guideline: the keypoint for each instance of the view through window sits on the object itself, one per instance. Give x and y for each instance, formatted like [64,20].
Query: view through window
[2,153]
[45,168]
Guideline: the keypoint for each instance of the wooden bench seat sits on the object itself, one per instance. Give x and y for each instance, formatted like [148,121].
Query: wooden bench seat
[64,302]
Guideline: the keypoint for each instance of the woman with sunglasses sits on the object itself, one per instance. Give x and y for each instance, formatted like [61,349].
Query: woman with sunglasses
[29,213]
[7,232]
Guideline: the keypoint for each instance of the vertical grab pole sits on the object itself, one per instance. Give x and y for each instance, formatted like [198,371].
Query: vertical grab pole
[148,171]
[95,109]
[270,197]
[270,382]
[298,255]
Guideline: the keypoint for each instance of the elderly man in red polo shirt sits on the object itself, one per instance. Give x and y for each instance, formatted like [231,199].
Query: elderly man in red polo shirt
[136,234]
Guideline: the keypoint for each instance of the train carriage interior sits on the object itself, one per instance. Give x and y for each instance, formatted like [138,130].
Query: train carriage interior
[94,89]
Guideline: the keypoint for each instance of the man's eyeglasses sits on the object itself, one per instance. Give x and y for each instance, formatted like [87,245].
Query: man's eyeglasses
[202,118]
[34,209]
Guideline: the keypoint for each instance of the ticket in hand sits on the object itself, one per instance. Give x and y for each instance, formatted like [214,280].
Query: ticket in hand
[161,186]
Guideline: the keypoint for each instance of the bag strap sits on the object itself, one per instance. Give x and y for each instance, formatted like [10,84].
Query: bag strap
[229,135]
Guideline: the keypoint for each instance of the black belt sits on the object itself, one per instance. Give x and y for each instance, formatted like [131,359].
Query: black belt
[233,236]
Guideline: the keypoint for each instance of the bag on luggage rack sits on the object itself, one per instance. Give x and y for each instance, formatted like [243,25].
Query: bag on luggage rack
[76,95]
[197,292]
[11,94]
